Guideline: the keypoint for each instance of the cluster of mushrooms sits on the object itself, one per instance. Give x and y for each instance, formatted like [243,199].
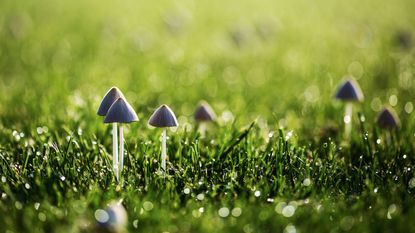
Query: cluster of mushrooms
[116,109]
[349,91]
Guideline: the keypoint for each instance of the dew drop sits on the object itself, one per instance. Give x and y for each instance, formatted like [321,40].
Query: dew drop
[306,182]
[236,212]
[101,216]
[223,212]
[288,211]
[147,206]
[186,191]
[257,193]
[135,223]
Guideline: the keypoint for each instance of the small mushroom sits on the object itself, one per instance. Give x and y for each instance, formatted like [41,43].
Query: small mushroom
[388,119]
[349,91]
[113,219]
[163,117]
[120,112]
[204,114]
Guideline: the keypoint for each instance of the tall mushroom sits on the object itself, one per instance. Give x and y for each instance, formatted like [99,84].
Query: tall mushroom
[120,112]
[110,97]
[204,114]
[349,91]
[389,120]
[163,117]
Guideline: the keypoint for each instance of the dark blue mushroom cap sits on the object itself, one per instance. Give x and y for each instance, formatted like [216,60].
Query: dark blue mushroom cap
[388,119]
[120,112]
[163,117]
[204,113]
[112,95]
[349,90]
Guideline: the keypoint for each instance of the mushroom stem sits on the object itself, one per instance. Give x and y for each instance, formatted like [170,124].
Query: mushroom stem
[202,129]
[121,155]
[163,152]
[115,149]
[388,138]
[348,119]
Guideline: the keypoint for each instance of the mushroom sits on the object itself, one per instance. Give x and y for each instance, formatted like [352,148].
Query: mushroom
[120,112]
[204,114]
[110,97]
[349,91]
[163,117]
[113,219]
[389,120]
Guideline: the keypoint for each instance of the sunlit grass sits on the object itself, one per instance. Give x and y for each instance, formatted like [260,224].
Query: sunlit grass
[276,160]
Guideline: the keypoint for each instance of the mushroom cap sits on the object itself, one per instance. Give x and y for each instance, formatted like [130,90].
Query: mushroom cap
[112,95]
[349,90]
[204,113]
[388,119]
[121,112]
[116,218]
[163,117]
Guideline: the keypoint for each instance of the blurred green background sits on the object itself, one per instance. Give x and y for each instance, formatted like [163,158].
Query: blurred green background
[276,62]
[274,59]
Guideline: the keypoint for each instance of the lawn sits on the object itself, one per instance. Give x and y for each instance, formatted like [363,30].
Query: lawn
[275,160]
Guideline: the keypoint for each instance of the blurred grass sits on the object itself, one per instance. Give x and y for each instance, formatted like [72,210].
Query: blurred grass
[276,62]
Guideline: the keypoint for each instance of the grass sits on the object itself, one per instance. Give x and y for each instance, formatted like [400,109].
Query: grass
[276,160]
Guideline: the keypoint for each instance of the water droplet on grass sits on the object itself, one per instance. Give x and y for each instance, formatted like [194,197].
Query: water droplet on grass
[18,205]
[411,183]
[223,212]
[306,182]
[200,196]
[186,191]
[101,216]
[393,100]
[135,223]
[288,211]
[63,178]
[279,207]
[391,210]
[290,229]
[236,212]
[27,186]
[147,205]
[3,179]
[37,205]
[346,119]
[409,107]
[39,130]
[42,217]
[257,193]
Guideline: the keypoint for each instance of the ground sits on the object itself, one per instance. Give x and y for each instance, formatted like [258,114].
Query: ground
[276,159]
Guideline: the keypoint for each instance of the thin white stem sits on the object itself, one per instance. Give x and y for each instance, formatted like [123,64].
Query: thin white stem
[163,152]
[348,120]
[202,129]
[115,149]
[388,138]
[121,155]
